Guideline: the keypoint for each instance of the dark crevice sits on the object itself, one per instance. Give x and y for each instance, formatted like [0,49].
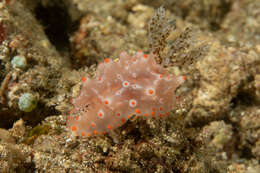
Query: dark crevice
[246,153]
[38,115]
[10,116]
[2,71]
[242,99]
[57,24]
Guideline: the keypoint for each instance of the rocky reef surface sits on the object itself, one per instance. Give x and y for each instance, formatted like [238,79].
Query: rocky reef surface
[46,46]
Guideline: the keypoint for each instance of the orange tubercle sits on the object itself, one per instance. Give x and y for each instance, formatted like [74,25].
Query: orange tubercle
[83,79]
[100,113]
[123,120]
[82,133]
[138,111]
[93,125]
[106,60]
[126,83]
[132,103]
[150,91]
[74,128]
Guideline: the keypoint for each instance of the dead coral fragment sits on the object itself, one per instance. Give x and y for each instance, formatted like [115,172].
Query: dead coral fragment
[133,85]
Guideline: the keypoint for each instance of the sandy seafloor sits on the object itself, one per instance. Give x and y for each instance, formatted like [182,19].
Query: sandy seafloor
[214,129]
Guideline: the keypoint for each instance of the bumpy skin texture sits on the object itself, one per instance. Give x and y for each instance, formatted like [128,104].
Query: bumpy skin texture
[133,85]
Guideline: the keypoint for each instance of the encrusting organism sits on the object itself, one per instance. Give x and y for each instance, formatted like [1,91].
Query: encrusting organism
[27,102]
[134,85]
[19,62]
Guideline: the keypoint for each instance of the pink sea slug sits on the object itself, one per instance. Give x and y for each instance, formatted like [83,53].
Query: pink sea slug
[134,85]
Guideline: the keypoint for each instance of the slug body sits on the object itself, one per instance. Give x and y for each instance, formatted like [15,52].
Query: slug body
[134,85]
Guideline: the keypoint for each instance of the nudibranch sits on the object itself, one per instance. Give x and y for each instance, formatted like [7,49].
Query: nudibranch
[133,85]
